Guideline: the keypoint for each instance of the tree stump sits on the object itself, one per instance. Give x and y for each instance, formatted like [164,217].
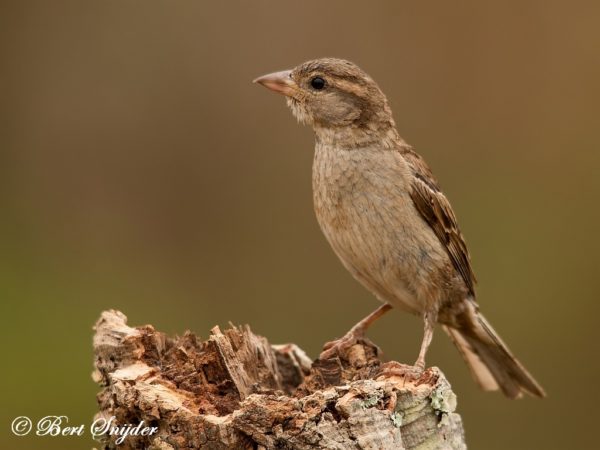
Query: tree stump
[236,391]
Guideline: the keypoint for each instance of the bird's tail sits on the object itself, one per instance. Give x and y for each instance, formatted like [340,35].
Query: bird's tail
[491,362]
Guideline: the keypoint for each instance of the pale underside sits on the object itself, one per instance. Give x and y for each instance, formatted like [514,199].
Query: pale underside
[363,203]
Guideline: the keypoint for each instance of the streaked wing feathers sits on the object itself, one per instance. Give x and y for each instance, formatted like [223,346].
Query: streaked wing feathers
[437,212]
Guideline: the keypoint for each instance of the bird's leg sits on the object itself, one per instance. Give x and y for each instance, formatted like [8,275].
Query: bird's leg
[332,348]
[412,372]
[429,320]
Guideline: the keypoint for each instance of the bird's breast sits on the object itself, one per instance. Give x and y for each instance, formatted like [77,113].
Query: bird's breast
[363,205]
[358,188]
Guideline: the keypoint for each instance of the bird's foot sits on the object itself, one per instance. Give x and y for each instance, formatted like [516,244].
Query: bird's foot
[341,346]
[415,374]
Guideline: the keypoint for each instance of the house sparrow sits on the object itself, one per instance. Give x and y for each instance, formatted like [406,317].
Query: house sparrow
[383,212]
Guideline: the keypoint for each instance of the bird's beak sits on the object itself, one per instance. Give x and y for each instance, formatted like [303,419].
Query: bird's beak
[280,82]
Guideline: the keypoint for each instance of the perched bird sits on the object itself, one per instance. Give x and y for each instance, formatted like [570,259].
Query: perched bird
[383,212]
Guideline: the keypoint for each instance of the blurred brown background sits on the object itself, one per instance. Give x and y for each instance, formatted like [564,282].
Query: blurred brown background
[141,170]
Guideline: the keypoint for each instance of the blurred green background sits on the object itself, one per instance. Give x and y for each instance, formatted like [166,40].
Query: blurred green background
[141,170]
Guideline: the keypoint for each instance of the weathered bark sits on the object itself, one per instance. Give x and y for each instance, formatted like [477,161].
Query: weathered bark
[236,391]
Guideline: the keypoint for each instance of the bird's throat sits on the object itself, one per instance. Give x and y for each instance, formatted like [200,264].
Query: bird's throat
[384,136]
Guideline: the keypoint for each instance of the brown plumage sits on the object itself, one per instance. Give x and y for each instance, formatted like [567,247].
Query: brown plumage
[385,216]
[436,210]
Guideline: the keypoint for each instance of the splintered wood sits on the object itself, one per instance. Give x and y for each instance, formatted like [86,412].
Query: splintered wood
[236,391]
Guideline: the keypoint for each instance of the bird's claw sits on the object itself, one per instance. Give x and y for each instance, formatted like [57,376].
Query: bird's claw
[340,346]
[405,371]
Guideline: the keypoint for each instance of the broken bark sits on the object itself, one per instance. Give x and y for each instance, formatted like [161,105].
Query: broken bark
[236,391]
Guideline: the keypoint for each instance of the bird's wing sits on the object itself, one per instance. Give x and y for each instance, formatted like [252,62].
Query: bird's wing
[437,212]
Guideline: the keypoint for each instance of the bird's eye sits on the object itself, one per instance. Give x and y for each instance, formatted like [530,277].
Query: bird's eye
[317,83]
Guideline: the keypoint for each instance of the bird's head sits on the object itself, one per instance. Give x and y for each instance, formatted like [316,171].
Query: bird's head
[332,95]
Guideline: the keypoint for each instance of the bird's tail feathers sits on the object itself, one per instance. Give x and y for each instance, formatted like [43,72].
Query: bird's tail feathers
[491,362]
